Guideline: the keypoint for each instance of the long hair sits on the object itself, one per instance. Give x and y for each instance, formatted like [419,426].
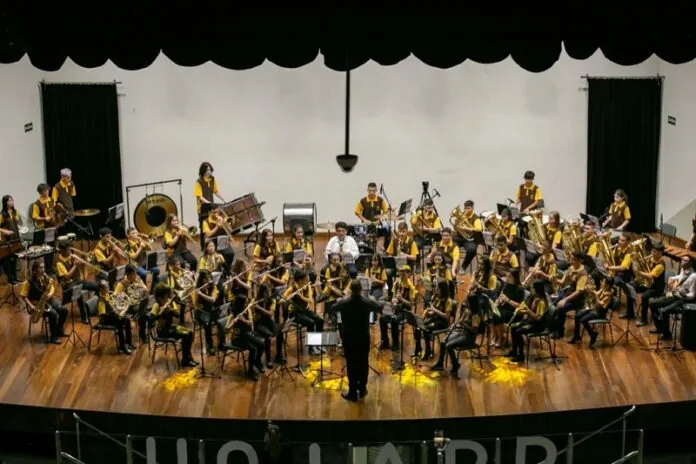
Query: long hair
[443,290]
[204,277]
[5,200]
[170,218]
[487,269]
[204,167]
[264,237]
[621,194]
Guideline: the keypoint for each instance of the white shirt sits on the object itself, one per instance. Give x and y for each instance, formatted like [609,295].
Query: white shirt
[350,247]
[687,284]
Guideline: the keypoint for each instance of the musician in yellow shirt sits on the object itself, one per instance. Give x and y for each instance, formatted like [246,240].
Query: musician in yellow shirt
[425,223]
[572,291]
[205,190]
[599,300]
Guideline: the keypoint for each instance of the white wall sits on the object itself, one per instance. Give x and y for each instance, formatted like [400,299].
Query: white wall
[470,131]
[677,184]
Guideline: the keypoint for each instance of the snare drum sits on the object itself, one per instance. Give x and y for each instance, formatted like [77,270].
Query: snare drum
[71,236]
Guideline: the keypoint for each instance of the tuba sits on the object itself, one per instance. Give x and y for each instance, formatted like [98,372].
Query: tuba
[494,225]
[571,237]
[605,249]
[457,220]
[535,230]
[640,263]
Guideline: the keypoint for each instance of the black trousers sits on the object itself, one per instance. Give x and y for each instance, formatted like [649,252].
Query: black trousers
[431,325]
[308,319]
[180,333]
[56,317]
[207,320]
[517,335]
[644,302]
[357,355]
[201,220]
[123,332]
[9,267]
[583,318]
[395,322]
[247,340]
[267,329]
[454,340]
[228,256]
[86,285]
[661,309]
[186,257]
[562,313]
[470,248]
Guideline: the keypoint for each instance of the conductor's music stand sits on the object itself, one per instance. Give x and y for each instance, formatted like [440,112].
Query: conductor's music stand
[322,340]
[74,337]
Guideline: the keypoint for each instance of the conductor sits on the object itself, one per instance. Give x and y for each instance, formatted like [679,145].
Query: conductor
[355,314]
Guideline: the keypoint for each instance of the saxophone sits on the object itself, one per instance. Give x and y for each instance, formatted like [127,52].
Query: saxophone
[457,220]
[43,305]
[640,263]
[571,237]
[535,230]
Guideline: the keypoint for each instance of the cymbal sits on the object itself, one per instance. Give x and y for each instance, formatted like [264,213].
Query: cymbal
[87,212]
[150,216]
[326,225]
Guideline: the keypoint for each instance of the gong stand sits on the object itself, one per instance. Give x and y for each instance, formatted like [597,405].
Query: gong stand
[150,214]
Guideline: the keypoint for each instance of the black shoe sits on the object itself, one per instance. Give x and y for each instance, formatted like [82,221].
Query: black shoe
[519,358]
[124,350]
[593,338]
[511,354]
[641,323]
[575,340]
[627,316]
[130,347]
[252,375]
[279,360]
[363,393]
[654,331]
[384,346]
[455,368]
[428,355]
[260,368]
[54,341]
[269,365]
[188,363]
[350,396]
[437,367]
[395,347]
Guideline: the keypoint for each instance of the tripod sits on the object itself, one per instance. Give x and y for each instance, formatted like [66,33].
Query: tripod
[281,368]
[74,337]
[202,372]
[427,238]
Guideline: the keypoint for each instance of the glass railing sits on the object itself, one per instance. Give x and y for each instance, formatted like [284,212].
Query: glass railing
[613,443]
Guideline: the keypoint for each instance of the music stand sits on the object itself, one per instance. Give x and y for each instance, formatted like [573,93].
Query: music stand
[115,275]
[221,242]
[627,333]
[281,368]
[202,372]
[417,322]
[321,340]
[75,294]
[155,258]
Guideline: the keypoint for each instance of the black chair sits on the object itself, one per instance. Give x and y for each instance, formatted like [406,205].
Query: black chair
[231,349]
[543,335]
[99,327]
[44,322]
[605,321]
[164,342]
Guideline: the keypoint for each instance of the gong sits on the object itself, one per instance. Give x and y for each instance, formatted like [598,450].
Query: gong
[150,216]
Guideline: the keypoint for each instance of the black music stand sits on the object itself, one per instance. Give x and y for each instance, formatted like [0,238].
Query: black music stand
[627,333]
[281,368]
[115,220]
[74,337]
[11,298]
[417,322]
[155,258]
[203,373]
[322,340]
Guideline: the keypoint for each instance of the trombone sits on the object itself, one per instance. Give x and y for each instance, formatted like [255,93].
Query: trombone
[187,232]
[116,245]
[85,259]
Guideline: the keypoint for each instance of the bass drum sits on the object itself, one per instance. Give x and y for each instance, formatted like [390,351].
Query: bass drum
[150,216]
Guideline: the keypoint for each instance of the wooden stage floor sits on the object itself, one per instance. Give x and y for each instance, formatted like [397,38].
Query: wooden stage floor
[36,374]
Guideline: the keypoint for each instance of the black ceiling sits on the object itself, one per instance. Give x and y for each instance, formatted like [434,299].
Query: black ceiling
[133,37]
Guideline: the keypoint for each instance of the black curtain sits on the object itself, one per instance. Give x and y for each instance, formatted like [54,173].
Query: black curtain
[623,146]
[81,132]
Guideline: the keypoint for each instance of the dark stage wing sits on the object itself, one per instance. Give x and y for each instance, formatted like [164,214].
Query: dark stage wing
[191,34]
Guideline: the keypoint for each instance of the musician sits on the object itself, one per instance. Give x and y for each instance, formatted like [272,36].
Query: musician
[211,228]
[205,189]
[502,258]
[552,229]
[467,240]
[345,246]
[378,277]
[508,226]
[335,281]
[265,250]
[44,209]
[355,313]
[572,293]
[206,314]
[588,239]
[438,271]
[131,285]
[69,276]
[682,289]
[10,220]
[296,303]
[300,242]
[372,209]
[691,243]
[528,318]
[425,223]
[108,316]
[32,292]
[450,250]
[211,260]
[175,237]
[239,285]
[621,270]
[242,336]
[619,215]
[404,299]
[437,317]
[528,196]
[599,303]
[511,296]
[403,246]
[462,336]
[655,274]
[174,274]
[545,268]
[485,283]
[264,313]
[106,252]
[137,248]
[164,311]
[64,191]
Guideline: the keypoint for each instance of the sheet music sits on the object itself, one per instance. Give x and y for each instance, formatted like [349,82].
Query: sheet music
[488,238]
[76,292]
[216,277]
[50,235]
[222,242]
[400,261]
[314,339]
[161,257]
[120,272]
[531,246]
[600,265]
[560,255]
[299,255]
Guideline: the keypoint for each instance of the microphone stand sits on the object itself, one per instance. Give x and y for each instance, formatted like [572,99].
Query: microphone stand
[393,217]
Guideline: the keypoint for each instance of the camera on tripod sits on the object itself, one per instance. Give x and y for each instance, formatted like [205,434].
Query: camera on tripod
[426,186]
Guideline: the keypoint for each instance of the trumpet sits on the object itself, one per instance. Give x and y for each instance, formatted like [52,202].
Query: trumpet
[187,231]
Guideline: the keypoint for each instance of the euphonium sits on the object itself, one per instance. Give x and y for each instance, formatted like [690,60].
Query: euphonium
[458,219]
[571,237]
[605,249]
[640,263]
[494,224]
[535,229]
